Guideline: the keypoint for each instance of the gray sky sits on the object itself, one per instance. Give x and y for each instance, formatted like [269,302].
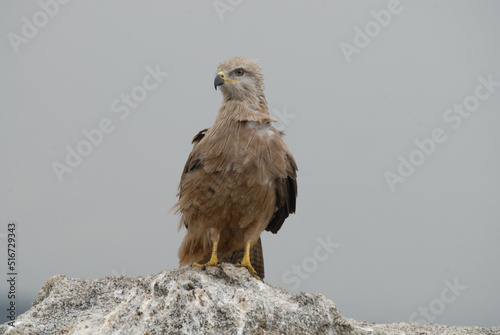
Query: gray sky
[390,109]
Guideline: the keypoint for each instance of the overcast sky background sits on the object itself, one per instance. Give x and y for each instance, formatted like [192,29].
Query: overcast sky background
[395,253]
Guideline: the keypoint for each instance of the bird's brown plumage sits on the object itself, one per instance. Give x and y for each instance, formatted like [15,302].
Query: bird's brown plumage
[240,178]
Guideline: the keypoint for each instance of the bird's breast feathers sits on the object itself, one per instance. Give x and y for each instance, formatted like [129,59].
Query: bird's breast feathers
[253,149]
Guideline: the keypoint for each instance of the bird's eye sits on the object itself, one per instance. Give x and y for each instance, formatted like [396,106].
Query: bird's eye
[239,72]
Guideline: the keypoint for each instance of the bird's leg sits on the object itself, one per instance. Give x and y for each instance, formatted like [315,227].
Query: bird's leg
[245,262]
[213,258]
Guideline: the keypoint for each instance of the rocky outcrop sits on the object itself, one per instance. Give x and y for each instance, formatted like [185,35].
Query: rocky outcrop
[225,300]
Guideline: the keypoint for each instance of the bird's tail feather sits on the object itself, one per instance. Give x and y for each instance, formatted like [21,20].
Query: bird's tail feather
[257,258]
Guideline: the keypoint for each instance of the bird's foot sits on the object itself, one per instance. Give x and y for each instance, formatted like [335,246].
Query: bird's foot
[211,262]
[245,263]
[213,259]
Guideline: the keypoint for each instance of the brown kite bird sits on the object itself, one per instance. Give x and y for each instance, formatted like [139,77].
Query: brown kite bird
[240,178]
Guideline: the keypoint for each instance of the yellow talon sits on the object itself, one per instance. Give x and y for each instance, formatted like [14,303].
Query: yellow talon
[245,262]
[213,259]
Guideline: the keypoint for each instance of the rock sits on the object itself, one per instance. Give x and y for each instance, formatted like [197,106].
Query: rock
[225,300]
[365,328]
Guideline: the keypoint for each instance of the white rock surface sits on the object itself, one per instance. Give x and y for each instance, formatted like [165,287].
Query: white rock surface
[224,300]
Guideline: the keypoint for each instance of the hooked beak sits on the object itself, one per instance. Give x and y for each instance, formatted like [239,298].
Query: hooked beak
[219,79]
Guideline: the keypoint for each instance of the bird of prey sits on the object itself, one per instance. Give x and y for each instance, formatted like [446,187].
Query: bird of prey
[240,178]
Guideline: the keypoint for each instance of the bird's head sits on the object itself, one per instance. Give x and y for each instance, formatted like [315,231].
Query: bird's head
[240,79]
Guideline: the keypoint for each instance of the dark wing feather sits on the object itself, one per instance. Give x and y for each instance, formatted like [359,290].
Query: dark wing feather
[286,194]
[199,136]
[192,162]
